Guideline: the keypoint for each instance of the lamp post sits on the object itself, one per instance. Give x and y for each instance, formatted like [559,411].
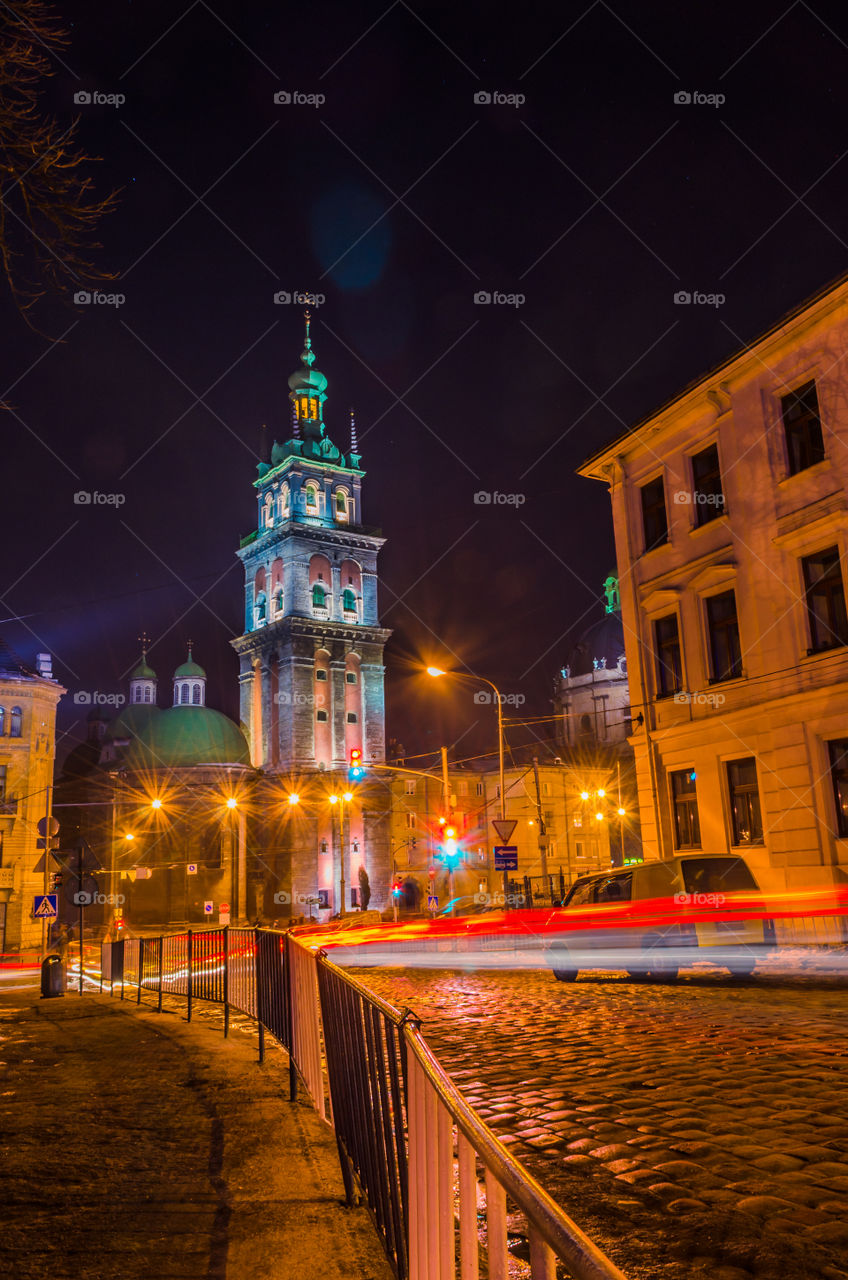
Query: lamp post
[344,799]
[461,675]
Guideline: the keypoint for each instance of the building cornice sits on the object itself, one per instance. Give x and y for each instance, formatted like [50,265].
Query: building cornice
[346,537]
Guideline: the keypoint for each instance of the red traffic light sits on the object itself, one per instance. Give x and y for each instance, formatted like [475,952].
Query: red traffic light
[356,768]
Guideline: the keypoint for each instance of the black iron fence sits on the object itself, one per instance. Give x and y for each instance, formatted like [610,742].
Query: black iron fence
[440,1186]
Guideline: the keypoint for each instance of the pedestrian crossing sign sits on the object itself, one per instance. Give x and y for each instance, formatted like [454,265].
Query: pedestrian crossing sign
[45,906]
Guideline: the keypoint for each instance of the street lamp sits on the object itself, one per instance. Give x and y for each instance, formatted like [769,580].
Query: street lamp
[345,798]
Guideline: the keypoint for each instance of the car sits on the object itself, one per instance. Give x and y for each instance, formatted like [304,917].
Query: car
[651,918]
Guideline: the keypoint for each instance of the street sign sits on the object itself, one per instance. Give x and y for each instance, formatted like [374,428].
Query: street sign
[432,902]
[506,857]
[45,906]
[223,917]
[208,908]
[225,907]
[504,828]
[191,869]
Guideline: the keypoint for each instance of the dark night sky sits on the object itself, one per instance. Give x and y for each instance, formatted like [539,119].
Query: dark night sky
[596,199]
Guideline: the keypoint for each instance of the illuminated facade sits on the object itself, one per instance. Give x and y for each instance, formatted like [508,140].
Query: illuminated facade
[311,656]
[730,508]
[28,701]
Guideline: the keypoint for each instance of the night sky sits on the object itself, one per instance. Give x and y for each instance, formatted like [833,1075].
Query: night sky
[399,198]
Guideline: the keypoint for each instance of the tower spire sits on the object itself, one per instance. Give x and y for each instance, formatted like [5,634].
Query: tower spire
[295,425]
[144,641]
[354,444]
[307,355]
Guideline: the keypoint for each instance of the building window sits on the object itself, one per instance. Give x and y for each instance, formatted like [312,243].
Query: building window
[350,677]
[2,783]
[687,827]
[195,694]
[838,752]
[802,425]
[319,597]
[825,592]
[311,496]
[2,721]
[349,600]
[654,518]
[410,821]
[285,499]
[745,815]
[410,786]
[148,693]
[278,600]
[723,626]
[351,717]
[480,788]
[341,505]
[320,674]
[15,722]
[321,716]
[707,490]
[260,608]
[184,693]
[667,648]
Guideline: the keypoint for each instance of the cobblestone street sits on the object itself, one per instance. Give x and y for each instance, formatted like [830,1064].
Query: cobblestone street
[699,1129]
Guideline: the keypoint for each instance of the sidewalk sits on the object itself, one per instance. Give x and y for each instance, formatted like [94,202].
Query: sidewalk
[137,1146]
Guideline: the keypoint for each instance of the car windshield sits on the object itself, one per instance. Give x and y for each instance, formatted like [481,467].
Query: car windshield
[716,875]
[579,894]
[615,889]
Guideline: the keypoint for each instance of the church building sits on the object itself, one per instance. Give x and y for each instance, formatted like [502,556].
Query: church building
[311,666]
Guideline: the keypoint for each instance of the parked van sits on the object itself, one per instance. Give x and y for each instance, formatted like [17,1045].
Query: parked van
[695,908]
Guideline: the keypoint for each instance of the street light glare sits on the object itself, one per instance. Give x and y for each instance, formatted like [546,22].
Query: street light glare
[348,796]
[621,813]
[584,795]
[129,836]
[156,804]
[232,802]
[294,798]
[435,671]
[599,817]
[334,799]
[601,793]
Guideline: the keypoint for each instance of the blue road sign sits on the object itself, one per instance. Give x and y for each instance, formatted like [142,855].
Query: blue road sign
[45,906]
[432,902]
[506,857]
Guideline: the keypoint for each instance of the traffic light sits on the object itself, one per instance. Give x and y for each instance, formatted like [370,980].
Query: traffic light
[356,770]
[450,847]
[397,889]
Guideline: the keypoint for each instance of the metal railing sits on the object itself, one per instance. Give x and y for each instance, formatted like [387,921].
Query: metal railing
[427,1166]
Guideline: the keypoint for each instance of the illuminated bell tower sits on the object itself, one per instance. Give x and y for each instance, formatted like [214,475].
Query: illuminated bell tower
[311,656]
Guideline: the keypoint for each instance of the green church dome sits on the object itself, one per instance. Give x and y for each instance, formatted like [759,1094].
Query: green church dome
[143,672]
[189,669]
[131,721]
[188,735]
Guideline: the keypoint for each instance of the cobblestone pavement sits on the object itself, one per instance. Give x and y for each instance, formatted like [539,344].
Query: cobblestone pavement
[692,1130]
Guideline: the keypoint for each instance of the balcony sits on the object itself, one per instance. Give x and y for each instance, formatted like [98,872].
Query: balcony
[320,611]
[350,615]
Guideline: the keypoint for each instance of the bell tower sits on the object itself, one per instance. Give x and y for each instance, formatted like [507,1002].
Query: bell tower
[311,656]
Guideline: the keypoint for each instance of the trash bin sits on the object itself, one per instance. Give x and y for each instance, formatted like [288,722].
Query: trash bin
[52,977]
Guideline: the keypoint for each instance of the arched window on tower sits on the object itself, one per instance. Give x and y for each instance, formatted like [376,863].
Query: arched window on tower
[184,693]
[312,497]
[285,500]
[148,693]
[268,510]
[349,601]
[2,721]
[319,597]
[341,504]
[278,600]
[195,694]
[260,609]
[15,723]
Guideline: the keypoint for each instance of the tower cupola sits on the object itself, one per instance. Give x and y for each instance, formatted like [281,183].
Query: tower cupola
[143,680]
[189,684]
